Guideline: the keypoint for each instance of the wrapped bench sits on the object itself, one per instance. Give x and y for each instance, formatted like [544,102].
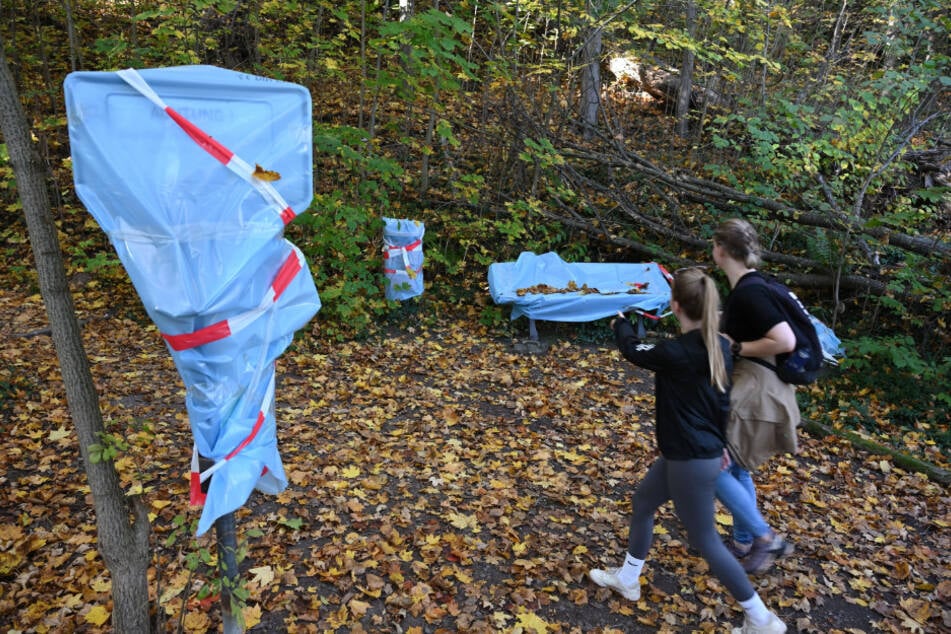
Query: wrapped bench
[545,287]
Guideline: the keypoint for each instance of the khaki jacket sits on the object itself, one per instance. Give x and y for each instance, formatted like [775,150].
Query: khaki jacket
[764,415]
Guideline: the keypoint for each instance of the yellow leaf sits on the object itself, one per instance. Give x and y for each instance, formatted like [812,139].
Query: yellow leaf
[461,520]
[101,585]
[197,622]
[59,434]
[72,601]
[10,561]
[252,615]
[350,472]
[97,616]
[533,621]
[860,584]
[160,504]
[358,608]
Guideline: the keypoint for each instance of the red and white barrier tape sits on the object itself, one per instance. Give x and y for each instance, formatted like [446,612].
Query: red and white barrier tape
[197,477]
[394,251]
[225,156]
[227,327]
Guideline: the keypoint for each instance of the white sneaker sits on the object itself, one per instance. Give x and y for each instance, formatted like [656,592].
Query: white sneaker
[774,626]
[609,579]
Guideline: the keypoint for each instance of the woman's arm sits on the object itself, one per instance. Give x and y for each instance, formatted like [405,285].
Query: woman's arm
[645,355]
[778,339]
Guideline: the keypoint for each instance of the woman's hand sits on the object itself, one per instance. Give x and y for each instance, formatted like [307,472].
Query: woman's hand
[725,461]
[620,315]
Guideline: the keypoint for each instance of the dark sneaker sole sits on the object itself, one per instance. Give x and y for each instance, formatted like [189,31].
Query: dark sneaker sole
[772,555]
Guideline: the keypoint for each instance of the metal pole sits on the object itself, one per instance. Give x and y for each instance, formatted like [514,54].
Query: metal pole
[228,567]
[227,558]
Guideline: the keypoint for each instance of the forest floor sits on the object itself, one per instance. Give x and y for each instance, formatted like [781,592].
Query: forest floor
[443,477]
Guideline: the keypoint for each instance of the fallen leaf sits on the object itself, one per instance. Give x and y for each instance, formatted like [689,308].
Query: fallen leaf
[97,615]
[265,175]
[262,575]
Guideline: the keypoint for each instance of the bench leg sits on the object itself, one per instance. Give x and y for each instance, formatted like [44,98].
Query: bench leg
[532,331]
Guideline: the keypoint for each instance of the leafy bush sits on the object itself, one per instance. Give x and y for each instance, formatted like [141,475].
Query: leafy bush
[342,232]
[917,390]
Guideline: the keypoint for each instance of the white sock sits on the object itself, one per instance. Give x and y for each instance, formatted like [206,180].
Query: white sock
[756,610]
[630,572]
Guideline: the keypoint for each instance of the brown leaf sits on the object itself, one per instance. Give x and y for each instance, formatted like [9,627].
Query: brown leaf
[265,175]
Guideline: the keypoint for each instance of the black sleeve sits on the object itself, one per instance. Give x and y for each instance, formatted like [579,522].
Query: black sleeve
[752,313]
[641,354]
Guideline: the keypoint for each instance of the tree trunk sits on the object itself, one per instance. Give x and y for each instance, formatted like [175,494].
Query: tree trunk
[591,81]
[686,74]
[75,52]
[121,521]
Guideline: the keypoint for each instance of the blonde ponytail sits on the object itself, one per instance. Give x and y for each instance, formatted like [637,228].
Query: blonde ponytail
[697,295]
[710,328]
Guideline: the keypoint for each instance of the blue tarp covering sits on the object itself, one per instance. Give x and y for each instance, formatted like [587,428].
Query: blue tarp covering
[201,237]
[403,257]
[639,287]
[832,349]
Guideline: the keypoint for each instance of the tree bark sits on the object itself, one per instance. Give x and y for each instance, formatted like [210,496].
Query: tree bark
[121,521]
[686,74]
[591,81]
[75,52]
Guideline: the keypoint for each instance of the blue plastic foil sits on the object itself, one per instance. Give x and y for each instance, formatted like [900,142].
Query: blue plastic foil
[602,288]
[202,246]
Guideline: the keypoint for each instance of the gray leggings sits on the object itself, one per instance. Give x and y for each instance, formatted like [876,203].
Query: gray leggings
[691,485]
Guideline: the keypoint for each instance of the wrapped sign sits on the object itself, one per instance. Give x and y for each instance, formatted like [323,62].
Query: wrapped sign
[193,173]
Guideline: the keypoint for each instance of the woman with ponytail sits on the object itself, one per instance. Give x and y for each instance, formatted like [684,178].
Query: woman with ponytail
[762,407]
[692,402]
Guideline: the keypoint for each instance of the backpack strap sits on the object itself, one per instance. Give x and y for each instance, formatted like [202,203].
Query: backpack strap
[762,362]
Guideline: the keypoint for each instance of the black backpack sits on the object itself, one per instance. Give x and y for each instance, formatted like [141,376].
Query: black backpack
[802,365]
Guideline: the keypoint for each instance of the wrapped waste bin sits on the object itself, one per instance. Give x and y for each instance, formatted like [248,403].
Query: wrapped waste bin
[403,257]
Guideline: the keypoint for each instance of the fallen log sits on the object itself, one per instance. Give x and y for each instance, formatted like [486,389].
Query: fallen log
[902,460]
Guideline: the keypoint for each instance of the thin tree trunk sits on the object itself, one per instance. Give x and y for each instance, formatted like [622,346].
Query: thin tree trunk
[363,64]
[591,81]
[686,73]
[123,541]
[75,53]
[43,50]
[591,70]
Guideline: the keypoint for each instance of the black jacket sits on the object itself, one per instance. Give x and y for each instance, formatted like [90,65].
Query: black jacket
[691,413]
